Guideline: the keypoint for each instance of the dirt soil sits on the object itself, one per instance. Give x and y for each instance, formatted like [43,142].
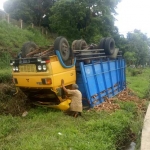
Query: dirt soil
[11,103]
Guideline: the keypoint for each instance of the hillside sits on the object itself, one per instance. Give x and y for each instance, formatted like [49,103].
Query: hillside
[11,41]
[12,37]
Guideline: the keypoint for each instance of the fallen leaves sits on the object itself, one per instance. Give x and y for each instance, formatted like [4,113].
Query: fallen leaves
[126,95]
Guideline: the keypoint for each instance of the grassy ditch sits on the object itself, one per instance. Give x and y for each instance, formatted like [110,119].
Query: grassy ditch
[45,128]
[50,129]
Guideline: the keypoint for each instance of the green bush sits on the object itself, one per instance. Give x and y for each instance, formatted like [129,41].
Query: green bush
[134,71]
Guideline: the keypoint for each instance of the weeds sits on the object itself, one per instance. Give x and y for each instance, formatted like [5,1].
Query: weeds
[134,71]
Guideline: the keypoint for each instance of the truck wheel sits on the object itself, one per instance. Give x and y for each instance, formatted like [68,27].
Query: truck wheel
[102,43]
[61,44]
[80,45]
[109,46]
[73,46]
[27,48]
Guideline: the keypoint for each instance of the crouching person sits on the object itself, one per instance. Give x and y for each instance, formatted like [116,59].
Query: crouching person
[76,100]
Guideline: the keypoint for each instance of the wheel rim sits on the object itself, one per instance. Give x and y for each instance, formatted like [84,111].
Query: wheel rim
[74,45]
[111,47]
[84,45]
[64,49]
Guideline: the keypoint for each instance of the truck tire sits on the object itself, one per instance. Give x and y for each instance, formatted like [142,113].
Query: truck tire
[93,46]
[73,45]
[109,46]
[102,43]
[80,44]
[27,48]
[61,44]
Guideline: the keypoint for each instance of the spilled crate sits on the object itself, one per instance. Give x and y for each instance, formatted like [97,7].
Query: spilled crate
[101,79]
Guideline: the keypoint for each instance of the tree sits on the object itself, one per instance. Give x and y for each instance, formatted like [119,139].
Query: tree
[18,10]
[138,43]
[30,11]
[121,42]
[83,18]
[130,57]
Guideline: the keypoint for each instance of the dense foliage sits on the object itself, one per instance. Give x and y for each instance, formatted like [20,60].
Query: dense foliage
[87,19]
[30,11]
[138,47]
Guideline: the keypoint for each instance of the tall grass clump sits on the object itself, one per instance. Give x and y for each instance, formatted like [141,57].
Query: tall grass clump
[5,69]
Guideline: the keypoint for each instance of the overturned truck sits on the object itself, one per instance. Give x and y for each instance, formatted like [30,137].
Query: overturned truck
[99,71]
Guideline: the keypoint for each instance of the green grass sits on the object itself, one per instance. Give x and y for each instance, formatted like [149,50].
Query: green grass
[139,83]
[5,68]
[5,75]
[12,37]
[41,129]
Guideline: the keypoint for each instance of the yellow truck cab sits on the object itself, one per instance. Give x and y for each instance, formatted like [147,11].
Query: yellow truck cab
[40,76]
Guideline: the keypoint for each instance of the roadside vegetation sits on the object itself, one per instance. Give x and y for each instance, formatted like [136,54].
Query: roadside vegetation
[139,81]
[45,128]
